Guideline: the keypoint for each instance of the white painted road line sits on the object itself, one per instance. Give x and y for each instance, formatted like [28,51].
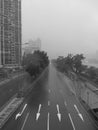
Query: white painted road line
[65,103]
[20,113]
[76,109]
[58,114]
[38,113]
[48,103]
[23,108]
[71,121]
[25,121]
[48,121]
[80,115]
[49,90]
[58,108]
[39,108]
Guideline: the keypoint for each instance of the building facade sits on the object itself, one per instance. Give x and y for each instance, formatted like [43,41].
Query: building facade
[10,32]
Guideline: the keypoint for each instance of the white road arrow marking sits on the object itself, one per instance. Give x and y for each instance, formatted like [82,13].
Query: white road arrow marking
[20,113]
[58,114]
[76,109]
[24,108]
[80,115]
[38,113]
[37,116]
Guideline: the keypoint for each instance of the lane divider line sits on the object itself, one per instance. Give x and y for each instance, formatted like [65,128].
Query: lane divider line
[48,121]
[49,90]
[65,103]
[48,103]
[71,121]
[25,121]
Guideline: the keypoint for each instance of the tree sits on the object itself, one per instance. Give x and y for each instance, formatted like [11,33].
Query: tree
[71,63]
[36,62]
[77,63]
[33,69]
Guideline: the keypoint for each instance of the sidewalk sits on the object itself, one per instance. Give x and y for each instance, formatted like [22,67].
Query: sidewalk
[87,95]
[87,92]
[8,109]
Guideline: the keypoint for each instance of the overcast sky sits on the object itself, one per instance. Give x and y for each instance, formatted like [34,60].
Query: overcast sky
[64,26]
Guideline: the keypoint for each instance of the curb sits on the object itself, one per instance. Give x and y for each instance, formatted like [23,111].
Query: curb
[9,109]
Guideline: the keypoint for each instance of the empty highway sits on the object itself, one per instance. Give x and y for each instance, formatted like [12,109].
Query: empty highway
[52,105]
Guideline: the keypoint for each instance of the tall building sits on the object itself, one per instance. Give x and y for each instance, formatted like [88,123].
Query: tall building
[32,46]
[10,33]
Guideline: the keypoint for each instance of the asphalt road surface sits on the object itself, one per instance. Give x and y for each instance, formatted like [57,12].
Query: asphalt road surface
[51,106]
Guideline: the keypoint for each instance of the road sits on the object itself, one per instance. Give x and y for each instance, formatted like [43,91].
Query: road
[52,105]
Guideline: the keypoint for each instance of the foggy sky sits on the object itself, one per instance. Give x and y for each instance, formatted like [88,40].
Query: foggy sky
[64,26]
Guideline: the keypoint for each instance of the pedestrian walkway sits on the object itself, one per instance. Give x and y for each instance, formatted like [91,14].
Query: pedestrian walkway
[9,110]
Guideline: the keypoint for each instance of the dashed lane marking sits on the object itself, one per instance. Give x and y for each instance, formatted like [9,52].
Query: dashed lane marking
[65,103]
[48,121]
[49,90]
[48,103]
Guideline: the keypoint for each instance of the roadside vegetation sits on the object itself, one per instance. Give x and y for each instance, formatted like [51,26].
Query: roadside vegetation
[74,64]
[35,63]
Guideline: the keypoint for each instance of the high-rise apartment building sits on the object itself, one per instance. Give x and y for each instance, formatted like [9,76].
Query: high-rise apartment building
[10,32]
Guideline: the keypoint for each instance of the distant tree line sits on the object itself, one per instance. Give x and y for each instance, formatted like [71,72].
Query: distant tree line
[35,63]
[70,63]
[74,63]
